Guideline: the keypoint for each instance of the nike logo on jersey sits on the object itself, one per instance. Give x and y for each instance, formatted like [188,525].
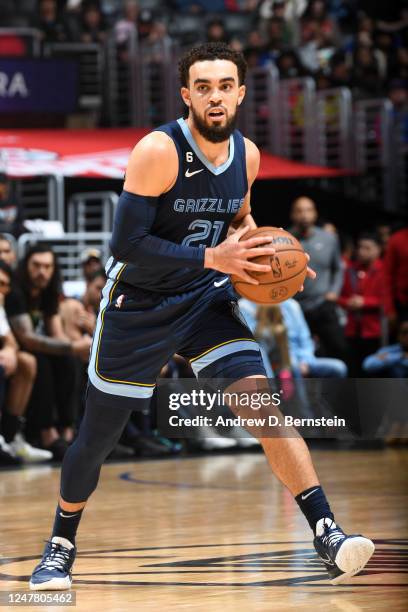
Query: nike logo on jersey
[188,173]
[221,282]
[309,494]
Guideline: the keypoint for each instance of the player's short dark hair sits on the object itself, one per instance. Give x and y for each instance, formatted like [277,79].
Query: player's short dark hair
[211,52]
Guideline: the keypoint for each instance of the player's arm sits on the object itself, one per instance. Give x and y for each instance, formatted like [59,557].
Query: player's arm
[152,170]
[244,217]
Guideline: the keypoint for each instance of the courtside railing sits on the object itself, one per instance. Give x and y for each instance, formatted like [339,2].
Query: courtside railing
[91,211]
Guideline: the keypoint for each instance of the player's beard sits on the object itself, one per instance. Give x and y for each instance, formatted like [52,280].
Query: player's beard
[214,133]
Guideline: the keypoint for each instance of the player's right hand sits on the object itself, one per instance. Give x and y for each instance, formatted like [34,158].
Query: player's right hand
[232,256]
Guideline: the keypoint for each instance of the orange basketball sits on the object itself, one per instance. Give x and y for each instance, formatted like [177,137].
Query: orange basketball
[288,268]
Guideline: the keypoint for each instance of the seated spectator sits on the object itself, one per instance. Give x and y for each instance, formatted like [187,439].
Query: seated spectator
[52,25]
[34,319]
[391,361]
[301,347]
[309,45]
[364,297]
[316,10]
[366,78]
[93,27]
[383,231]
[289,65]
[7,252]
[293,9]
[126,26]
[79,316]
[91,261]
[398,69]
[216,31]
[10,211]
[20,369]
[398,94]
[340,70]
[275,37]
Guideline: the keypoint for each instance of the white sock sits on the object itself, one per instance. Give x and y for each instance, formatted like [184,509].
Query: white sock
[63,542]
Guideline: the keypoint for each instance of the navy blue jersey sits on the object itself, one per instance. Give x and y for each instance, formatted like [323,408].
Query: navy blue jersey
[196,211]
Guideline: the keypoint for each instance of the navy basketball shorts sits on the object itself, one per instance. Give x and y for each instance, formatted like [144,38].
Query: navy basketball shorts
[137,332]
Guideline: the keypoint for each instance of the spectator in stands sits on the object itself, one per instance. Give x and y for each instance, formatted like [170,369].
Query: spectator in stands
[126,26]
[399,67]
[10,211]
[309,45]
[293,9]
[145,23]
[365,31]
[35,321]
[93,26]
[383,231]
[398,94]
[20,369]
[318,300]
[79,316]
[364,297]
[91,262]
[157,42]
[367,79]
[51,23]
[301,347]
[216,31]
[7,252]
[391,361]
[316,11]
[396,267]
[289,65]
[340,70]
[275,37]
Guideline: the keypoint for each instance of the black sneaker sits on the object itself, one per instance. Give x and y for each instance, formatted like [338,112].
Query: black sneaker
[343,555]
[53,573]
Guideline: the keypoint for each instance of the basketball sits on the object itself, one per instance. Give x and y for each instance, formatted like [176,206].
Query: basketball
[288,269]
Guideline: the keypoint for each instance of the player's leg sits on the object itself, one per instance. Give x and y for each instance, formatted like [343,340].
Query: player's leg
[104,419]
[290,460]
[227,350]
[123,366]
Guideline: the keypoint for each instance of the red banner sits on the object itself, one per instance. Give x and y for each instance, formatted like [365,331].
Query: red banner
[104,154]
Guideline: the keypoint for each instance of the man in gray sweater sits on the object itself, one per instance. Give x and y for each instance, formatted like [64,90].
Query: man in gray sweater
[318,300]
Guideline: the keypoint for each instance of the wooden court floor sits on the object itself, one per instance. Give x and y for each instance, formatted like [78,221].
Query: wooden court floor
[214,534]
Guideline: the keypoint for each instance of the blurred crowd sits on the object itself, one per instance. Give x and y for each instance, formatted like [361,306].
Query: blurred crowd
[353,43]
[351,321]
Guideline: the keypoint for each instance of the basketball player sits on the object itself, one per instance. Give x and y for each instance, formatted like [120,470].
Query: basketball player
[168,291]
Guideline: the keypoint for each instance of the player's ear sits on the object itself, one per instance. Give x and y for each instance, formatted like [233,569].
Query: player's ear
[241,93]
[185,94]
